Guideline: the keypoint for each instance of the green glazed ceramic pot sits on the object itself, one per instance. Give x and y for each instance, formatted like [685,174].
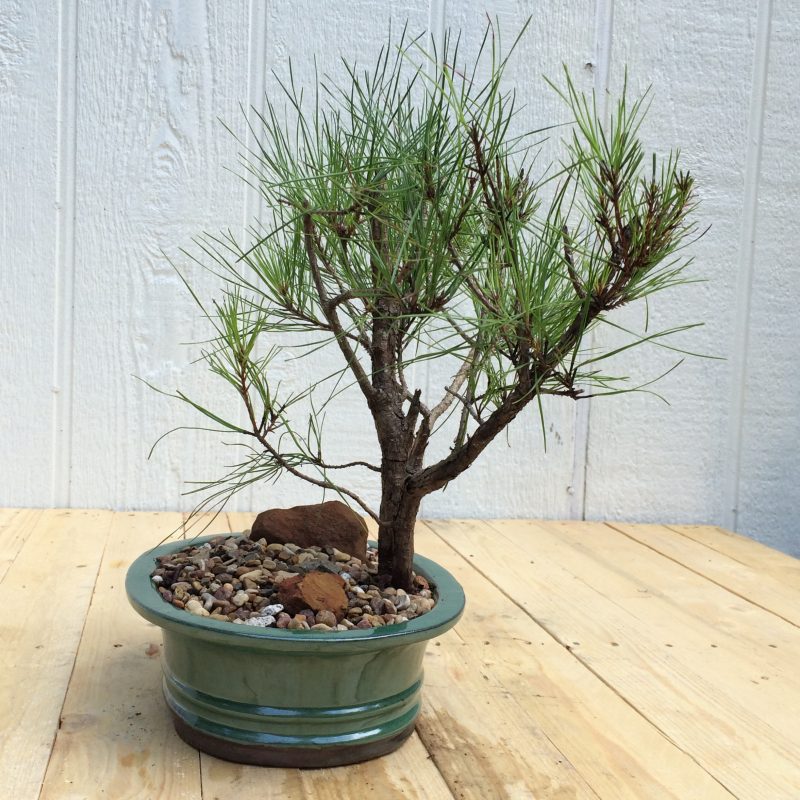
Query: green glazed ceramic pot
[292,698]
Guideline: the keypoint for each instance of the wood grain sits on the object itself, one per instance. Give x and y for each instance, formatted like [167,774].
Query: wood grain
[760,557]
[740,735]
[16,525]
[44,598]
[115,737]
[156,75]
[760,588]
[606,740]
[588,664]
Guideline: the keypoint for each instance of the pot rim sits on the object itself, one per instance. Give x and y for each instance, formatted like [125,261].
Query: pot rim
[147,601]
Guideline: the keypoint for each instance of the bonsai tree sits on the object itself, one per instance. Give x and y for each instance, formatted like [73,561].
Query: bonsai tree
[405,220]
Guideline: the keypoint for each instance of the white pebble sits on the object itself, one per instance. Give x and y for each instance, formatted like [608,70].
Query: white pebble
[271,611]
[402,602]
[260,622]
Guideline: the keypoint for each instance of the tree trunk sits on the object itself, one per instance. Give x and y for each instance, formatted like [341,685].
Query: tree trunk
[396,542]
[398,513]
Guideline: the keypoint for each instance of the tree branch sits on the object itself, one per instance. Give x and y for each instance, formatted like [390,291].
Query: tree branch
[573,275]
[451,391]
[329,311]
[437,475]
[259,434]
[526,388]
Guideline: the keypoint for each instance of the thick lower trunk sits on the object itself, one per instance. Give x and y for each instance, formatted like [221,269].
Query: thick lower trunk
[396,535]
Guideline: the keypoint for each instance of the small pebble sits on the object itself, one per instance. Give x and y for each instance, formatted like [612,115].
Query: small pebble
[240,598]
[327,618]
[311,617]
[194,606]
[377,604]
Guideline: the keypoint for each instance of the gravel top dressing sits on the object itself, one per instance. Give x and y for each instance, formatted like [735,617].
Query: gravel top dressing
[234,579]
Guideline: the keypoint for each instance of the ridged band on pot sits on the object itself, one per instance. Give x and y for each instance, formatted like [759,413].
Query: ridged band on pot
[292,698]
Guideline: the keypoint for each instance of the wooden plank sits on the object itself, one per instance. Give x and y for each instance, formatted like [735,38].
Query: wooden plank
[406,773]
[745,581]
[481,736]
[617,752]
[116,739]
[765,560]
[16,524]
[710,713]
[706,611]
[710,628]
[44,598]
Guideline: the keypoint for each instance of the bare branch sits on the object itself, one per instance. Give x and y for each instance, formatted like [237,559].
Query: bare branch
[325,484]
[259,433]
[329,311]
[573,276]
[451,391]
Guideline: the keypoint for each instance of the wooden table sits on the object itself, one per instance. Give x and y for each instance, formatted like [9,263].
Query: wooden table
[594,661]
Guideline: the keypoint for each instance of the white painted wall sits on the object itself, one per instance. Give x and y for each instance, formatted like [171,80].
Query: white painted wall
[110,152]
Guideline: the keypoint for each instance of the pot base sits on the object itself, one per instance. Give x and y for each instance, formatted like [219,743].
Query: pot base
[264,755]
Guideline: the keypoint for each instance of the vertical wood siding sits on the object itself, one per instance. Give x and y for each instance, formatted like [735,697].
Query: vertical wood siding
[112,158]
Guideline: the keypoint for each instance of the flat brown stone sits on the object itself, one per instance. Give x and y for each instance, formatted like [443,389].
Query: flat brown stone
[330,524]
[319,591]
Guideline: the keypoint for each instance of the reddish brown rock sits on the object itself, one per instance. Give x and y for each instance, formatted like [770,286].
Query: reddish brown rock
[319,591]
[330,524]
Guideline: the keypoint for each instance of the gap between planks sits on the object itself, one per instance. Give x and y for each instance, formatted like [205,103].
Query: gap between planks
[737,577]
[616,770]
[489,749]
[16,525]
[746,551]
[775,773]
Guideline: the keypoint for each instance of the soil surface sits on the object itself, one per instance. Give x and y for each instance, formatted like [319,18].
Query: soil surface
[234,579]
